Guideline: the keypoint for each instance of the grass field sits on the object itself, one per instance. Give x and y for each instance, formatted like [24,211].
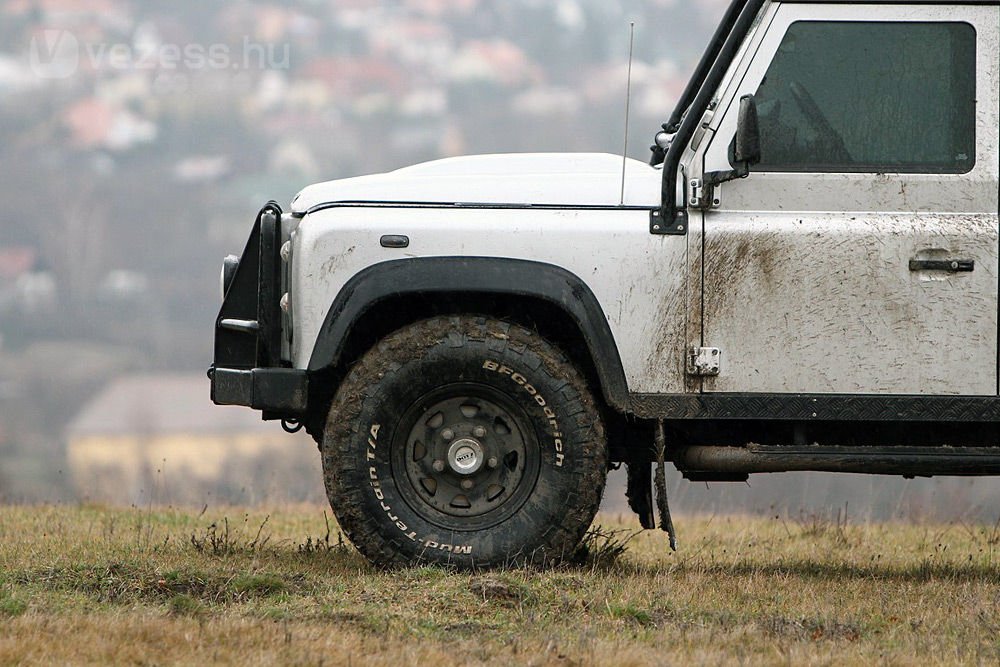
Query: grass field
[165,586]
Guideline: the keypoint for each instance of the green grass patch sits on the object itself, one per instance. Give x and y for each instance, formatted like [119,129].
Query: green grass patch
[183,604]
[12,606]
[631,614]
[258,584]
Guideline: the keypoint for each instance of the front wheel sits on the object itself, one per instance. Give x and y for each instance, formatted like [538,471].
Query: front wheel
[465,441]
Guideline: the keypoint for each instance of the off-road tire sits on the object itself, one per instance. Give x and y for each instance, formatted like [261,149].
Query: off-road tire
[554,418]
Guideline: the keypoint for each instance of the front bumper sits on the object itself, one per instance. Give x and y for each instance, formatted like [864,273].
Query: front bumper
[247,368]
[279,390]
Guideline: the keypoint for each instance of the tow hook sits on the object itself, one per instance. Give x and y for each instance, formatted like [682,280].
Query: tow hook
[291,425]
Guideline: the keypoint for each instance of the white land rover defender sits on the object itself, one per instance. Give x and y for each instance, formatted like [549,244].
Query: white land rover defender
[804,278]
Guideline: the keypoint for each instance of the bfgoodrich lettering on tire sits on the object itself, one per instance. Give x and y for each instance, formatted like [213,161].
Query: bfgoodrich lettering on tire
[466,441]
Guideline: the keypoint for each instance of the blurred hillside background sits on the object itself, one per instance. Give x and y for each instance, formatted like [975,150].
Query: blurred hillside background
[138,139]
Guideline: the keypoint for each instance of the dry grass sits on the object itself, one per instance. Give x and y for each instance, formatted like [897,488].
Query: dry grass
[99,585]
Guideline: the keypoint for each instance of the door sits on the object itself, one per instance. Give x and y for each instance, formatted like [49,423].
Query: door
[860,255]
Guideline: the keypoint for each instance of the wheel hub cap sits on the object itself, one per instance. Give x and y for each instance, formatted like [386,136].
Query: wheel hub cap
[465,456]
[469,454]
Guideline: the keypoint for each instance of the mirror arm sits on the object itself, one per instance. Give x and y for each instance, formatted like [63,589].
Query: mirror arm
[745,149]
[742,170]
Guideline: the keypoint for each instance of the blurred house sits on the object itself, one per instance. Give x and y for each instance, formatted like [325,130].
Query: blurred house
[24,287]
[16,76]
[348,77]
[96,124]
[494,60]
[15,261]
[66,13]
[158,438]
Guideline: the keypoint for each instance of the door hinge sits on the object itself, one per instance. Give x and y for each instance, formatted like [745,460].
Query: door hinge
[695,191]
[703,361]
[702,194]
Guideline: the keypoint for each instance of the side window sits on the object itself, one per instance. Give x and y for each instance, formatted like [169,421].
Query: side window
[870,97]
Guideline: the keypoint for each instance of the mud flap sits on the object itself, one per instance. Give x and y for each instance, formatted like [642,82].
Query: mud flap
[640,491]
[666,523]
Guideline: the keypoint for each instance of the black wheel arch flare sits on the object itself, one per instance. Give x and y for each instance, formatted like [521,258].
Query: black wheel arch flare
[483,275]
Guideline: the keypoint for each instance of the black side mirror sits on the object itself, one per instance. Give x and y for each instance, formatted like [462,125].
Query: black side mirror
[744,152]
[747,149]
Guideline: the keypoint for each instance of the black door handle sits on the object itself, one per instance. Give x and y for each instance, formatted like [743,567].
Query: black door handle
[952,265]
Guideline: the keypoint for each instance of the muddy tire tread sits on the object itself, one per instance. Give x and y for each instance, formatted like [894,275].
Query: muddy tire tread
[381,362]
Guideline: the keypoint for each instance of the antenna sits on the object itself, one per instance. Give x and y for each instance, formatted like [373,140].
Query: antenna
[628,101]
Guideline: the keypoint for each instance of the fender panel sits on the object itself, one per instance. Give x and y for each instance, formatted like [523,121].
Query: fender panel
[483,275]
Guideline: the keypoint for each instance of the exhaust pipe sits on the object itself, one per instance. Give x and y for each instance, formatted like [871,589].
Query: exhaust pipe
[906,461]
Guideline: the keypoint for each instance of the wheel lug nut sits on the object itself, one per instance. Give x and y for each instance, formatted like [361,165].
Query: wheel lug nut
[438,466]
[447,434]
[479,432]
[466,484]
[492,462]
